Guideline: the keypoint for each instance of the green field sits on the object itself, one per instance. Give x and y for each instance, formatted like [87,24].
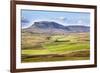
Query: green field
[45,47]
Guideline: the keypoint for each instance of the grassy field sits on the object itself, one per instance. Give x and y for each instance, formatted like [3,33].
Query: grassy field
[43,47]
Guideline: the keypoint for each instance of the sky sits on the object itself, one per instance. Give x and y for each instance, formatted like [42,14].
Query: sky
[28,17]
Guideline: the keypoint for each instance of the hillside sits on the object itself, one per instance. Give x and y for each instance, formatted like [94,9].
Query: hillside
[54,28]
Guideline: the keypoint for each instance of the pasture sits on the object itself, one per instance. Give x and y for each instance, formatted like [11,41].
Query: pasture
[55,47]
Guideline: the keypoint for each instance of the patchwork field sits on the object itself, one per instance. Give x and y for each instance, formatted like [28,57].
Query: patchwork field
[48,47]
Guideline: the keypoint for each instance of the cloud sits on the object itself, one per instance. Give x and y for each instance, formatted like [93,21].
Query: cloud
[24,20]
[61,19]
[79,21]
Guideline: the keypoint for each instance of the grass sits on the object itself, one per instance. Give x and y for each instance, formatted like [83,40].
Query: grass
[43,59]
[66,47]
[76,55]
[57,49]
[34,44]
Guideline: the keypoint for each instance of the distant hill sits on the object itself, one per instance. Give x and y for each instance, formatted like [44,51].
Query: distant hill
[54,28]
[79,28]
